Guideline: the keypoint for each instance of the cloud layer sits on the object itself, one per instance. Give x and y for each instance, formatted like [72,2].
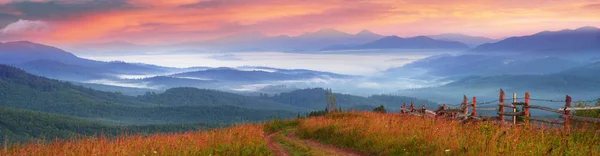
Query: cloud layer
[167,21]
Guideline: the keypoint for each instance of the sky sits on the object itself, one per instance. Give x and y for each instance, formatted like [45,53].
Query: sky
[156,22]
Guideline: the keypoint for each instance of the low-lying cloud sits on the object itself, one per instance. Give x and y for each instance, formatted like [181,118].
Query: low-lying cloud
[25,26]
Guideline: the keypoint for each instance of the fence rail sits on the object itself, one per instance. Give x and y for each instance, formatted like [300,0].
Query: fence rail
[462,112]
[580,108]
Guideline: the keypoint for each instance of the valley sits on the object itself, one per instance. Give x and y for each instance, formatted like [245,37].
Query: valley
[296,77]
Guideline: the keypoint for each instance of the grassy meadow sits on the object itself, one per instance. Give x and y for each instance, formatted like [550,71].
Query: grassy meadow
[366,132]
[237,140]
[394,134]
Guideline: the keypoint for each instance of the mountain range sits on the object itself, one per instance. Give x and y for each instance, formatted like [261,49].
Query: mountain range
[395,42]
[55,63]
[578,41]
[487,65]
[472,41]
[255,41]
[331,39]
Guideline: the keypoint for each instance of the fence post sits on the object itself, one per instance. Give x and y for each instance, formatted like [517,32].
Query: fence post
[526,107]
[466,107]
[424,108]
[500,107]
[412,107]
[443,109]
[567,113]
[514,108]
[403,110]
[474,106]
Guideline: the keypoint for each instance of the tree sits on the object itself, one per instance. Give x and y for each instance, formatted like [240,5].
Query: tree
[379,109]
[330,99]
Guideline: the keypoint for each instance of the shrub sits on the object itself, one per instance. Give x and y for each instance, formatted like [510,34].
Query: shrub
[379,109]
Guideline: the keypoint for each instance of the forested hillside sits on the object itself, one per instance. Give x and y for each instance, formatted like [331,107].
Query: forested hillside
[17,125]
[21,90]
[314,99]
[187,96]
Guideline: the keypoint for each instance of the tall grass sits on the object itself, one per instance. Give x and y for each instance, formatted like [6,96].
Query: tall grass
[394,134]
[277,125]
[238,140]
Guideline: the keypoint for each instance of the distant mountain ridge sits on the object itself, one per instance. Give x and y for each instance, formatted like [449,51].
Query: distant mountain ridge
[256,74]
[56,63]
[584,39]
[310,41]
[395,42]
[485,65]
[472,41]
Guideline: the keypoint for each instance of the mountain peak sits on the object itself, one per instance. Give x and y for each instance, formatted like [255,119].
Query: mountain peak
[449,35]
[587,28]
[21,42]
[422,38]
[32,46]
[365,32]
[24,44]
[326,32]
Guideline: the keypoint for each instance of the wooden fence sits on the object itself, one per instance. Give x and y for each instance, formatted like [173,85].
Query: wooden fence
[462,112]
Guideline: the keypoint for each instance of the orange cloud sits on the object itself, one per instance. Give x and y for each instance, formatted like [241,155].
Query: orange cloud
[167,21]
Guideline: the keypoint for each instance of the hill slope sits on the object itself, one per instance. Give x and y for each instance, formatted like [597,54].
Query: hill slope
[17,125]
[21,90]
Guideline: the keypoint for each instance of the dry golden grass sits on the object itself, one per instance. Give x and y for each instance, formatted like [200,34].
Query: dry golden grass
[394,134]
[238,140]
[374,133]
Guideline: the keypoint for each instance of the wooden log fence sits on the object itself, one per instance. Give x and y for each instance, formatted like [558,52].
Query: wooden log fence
[462,112]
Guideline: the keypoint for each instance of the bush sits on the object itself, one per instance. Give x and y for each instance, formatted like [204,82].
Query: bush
[379,109]
[317,113]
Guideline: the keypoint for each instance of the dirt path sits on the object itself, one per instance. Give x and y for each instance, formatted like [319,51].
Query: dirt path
[274,146]
[323,149]
[331,148]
